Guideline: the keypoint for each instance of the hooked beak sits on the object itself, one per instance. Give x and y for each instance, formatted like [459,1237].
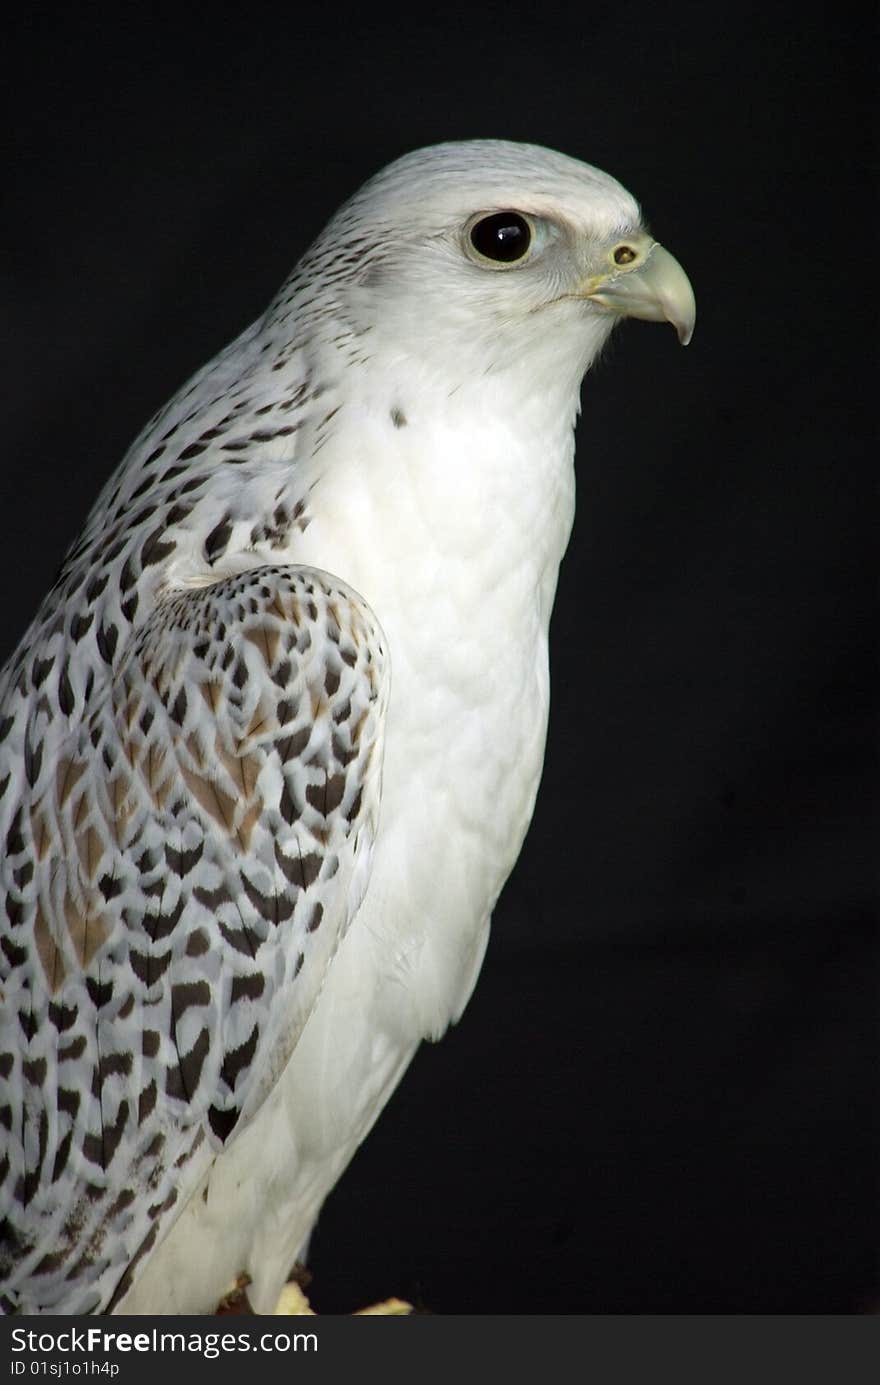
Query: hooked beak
[655,289]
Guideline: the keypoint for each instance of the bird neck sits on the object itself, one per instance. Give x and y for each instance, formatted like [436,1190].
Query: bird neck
[469,482]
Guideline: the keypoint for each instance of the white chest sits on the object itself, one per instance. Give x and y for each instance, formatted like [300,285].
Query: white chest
[457,553]
[454,539]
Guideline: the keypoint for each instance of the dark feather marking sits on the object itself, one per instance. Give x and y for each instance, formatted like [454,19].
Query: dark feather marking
[239,1059]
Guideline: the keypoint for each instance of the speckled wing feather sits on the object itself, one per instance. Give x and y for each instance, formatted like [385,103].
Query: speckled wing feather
[178,878]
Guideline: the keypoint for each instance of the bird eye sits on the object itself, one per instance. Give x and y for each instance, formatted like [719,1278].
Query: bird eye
[503,237]
[624,254]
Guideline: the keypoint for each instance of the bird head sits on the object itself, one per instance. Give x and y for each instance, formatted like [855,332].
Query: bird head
[485,256]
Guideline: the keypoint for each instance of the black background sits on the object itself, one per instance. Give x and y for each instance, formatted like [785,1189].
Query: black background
[662,1096]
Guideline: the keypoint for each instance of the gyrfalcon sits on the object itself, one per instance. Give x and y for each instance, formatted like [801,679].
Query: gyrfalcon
[270,748]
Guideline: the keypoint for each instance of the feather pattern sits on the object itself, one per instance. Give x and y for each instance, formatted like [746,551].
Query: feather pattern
[176,888]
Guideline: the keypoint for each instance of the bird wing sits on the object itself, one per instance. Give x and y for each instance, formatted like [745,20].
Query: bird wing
[174,899]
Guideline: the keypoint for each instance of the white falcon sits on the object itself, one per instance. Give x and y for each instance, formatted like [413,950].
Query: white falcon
[270,748]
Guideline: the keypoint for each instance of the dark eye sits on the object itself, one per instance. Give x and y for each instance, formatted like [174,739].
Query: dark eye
[504,237]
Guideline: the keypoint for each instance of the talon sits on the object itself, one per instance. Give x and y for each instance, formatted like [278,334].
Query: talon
[293,1303]
[235,1301]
